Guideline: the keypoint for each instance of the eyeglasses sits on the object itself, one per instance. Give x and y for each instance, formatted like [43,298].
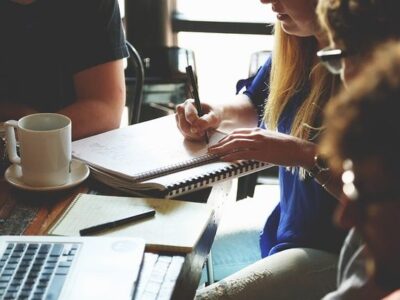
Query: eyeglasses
[354,193]
[332,59]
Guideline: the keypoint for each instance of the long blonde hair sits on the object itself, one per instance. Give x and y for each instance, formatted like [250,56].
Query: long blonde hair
[294,66]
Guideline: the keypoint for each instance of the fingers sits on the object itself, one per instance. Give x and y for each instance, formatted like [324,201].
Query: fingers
[239,136]
[185,115]
[190,112]
[208,121]
[238,155]
[185,127]
[237,150]
[236,145]
[190,124]
[239,145]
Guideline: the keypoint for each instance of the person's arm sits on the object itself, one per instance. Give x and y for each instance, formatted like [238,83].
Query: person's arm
[241,112]
[100,92]
[329,180]
[275,148]
[100,99]
[95,55]
[14,111]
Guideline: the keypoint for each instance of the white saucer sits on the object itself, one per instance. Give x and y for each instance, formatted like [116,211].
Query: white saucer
[79,172]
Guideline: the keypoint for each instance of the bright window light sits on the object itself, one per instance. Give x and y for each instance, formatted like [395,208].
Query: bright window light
[226,10]
[222,59]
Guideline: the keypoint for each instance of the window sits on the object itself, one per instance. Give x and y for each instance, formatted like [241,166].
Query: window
[121,4]
[226,10]
[223,58]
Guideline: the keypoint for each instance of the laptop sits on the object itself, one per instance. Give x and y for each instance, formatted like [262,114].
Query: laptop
[55,267]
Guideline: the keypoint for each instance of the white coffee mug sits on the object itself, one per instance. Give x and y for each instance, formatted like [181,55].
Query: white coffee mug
[45,148]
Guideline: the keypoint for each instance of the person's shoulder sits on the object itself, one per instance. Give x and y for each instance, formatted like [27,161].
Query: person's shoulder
[105,5]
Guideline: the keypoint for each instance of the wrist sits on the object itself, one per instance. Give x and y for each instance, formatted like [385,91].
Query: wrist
[306,151]
[319,165]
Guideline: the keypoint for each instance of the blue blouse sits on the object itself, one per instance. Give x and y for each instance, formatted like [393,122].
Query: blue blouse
[304,215]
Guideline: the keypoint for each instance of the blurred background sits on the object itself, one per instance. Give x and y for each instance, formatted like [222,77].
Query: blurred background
[225,40]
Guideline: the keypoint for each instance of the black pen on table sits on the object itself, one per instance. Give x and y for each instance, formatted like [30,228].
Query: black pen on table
[109,225]
[195,94]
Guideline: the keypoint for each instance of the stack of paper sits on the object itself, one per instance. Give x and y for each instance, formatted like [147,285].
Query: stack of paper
[154,157]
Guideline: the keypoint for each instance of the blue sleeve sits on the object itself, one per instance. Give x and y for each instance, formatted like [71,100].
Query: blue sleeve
[256,88]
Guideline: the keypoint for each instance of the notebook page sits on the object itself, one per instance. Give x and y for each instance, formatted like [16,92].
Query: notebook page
[176,226]
[87,211]
[140,148]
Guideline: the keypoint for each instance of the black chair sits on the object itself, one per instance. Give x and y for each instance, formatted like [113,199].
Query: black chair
[257,59]
[134,79]
[166,83]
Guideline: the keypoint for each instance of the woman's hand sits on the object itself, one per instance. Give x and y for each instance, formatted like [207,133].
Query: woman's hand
[264,145]
[191,125]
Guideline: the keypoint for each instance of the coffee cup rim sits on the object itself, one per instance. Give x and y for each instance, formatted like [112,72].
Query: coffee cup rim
[24,118]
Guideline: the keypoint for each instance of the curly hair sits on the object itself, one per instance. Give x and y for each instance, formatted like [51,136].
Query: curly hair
[360,25]
[363,121]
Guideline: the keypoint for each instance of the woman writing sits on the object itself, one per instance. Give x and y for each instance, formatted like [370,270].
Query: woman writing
[299,243]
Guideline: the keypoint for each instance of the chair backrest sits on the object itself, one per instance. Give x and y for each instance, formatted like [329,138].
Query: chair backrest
[257,60]
[134,78]
[167,66]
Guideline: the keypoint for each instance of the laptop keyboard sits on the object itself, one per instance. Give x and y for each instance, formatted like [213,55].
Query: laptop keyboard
[38,271]
[158,276]
[35,270]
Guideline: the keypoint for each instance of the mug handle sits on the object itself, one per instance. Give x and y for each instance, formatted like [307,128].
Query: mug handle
[12,141]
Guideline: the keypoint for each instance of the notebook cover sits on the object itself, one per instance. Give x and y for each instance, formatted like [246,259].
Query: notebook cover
[177,225]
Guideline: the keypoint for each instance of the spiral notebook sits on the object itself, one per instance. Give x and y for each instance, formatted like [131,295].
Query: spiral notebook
[153,158]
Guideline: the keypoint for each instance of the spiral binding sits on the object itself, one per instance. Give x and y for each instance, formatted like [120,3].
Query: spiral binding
[186,186]
[210,178]
[198,161]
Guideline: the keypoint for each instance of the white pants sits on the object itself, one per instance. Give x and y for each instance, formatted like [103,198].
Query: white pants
[300,274]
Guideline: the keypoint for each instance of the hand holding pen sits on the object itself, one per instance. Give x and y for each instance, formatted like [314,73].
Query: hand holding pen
[195,95]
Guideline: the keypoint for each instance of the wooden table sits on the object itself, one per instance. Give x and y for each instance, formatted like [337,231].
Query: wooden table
[31,213]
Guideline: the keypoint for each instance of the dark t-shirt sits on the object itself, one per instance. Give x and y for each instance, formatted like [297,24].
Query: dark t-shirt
[45,43]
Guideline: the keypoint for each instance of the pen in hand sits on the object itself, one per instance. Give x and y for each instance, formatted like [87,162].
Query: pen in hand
[109,225]
[195,94]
